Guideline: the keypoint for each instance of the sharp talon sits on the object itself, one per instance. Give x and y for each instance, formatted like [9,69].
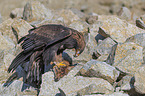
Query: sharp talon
[61,64]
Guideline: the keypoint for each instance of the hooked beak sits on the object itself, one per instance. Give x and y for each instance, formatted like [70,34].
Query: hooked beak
[77,53]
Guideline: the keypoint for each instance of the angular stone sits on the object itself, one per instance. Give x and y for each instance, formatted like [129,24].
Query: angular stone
[140,80]
[117,29]
[99,69]
[128,57]
[112,94]
[0,18]
[80,14]
[94,28]
[80,26]
[138,39]
[35,11]
[92,18]
[66,15]
[70,84]
[124,13]
[17,13]
[6,44]
[126,83]
[48,21]
[6,30]
[15,90]
[82,58]
[104,48]
[21,28]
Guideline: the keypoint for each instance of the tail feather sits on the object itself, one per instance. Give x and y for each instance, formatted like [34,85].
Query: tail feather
[18,60]
[10,79]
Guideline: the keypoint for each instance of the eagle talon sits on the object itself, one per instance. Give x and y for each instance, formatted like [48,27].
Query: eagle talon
[60,64]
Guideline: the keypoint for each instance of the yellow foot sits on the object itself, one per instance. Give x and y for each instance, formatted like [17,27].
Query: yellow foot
[61,64]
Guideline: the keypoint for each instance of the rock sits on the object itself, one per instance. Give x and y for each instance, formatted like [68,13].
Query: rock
[94,28]
[20,28]
[92,18]
[48,21]
[70,84]
[15,89]
[99,69]
[140,24]
[124,13]
[79,26]
[117,29]
[6,30]
[126,83]
[128,57]
[0,18]
[138,39]
[6,44]
[91,44]
[66,15]
[82,58]
[113,94]
[104,48]
[8,58]
[17,13]
[35,11]
[140,80]
[80,14]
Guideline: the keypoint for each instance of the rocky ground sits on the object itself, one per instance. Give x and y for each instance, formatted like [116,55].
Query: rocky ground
[112,63]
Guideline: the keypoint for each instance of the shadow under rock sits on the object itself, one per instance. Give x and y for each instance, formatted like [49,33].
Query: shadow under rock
[99,37]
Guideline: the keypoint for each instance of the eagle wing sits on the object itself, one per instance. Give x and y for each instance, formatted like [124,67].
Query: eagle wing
[39,39]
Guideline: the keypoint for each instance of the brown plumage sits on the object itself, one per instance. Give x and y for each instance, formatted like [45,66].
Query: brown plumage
[42,51]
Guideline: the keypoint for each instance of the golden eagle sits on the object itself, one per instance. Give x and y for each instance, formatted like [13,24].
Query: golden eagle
[42,51]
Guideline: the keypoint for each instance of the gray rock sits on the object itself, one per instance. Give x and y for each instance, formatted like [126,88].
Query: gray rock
[124,13]
[8,59]
[48,21]
[113,94]
[92,18]
[117,29]
[138,39]
[0,18]
[6,30]
[99,69]
[71,84]
[94,28]
[80,26]
[126,83]
[6,44]
[21,28]
[128,57]
[80,14]
[110,59]
[17,13]
[104,48]
[15,90]
[66,15]
[35,11]
[140,80]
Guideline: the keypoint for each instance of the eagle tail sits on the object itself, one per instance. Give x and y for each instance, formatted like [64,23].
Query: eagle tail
[10,79]
[36,67]
[18,60]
